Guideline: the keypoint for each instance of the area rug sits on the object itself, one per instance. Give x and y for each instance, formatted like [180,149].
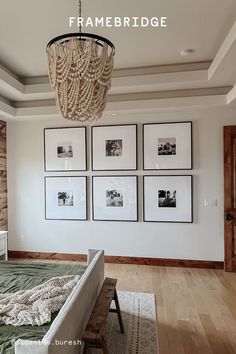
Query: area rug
[139,317]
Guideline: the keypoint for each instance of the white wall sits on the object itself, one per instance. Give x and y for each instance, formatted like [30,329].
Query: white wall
[203,239]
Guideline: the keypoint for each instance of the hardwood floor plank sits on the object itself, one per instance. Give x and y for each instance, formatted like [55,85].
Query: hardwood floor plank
[217,341]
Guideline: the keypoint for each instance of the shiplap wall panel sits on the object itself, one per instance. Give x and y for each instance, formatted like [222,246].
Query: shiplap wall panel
[3,177]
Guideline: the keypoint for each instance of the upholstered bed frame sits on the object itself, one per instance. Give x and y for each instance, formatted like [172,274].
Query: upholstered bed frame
[67,329]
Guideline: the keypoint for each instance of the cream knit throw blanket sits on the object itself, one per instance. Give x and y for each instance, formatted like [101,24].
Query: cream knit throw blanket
[35,306]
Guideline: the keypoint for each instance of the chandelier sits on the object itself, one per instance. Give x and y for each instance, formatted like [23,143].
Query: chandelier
[80,70]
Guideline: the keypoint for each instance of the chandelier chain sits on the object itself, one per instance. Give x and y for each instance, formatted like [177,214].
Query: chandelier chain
[80,13]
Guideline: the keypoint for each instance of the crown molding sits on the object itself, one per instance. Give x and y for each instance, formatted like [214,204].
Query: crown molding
[231,96]
[6,108]
[138,71]
[169,94]
[47,109]
[227,48]
[134,102]
[213,91]
[180,76]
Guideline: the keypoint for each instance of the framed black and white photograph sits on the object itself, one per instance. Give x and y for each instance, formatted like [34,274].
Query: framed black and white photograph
[66,198]
[115,198]
[65,149]
[114,147]
[167,146]
[167,199]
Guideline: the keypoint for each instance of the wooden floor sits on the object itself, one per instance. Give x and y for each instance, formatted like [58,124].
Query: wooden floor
[196,308]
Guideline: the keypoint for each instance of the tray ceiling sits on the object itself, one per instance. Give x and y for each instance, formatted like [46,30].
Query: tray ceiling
[150,73]
[26,28]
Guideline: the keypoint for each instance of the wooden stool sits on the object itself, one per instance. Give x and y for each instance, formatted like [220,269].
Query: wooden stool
[93,336]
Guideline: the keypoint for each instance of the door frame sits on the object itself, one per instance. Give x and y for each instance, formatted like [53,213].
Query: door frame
[229,197]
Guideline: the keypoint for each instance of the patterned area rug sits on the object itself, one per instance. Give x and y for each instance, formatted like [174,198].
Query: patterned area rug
[139,317]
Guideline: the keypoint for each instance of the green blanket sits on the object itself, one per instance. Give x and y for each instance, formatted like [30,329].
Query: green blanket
[15,276]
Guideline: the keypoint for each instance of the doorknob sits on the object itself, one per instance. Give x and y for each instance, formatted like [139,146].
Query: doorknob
[229,217]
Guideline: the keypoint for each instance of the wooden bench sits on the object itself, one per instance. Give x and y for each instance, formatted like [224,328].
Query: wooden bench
[93,336]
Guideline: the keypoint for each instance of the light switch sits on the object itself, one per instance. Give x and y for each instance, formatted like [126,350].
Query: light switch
[215,202]
[209,203]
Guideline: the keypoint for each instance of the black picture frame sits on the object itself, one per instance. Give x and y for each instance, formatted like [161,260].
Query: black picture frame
[66,219]
[137,198]
[169,221]
[174,168]
[113,126]
[85,150]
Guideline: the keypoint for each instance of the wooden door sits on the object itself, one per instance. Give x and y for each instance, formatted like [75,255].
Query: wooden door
[230,197]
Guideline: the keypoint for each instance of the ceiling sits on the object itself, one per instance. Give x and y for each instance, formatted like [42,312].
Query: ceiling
[26,26]
[147,59]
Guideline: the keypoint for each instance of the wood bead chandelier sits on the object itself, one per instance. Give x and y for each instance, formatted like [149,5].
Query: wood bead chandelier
[80,70]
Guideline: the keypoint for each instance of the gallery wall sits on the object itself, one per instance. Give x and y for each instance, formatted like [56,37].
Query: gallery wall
[203,239]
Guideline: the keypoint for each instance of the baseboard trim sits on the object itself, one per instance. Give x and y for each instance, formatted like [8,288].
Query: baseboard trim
[166,262]
[163,262]
[47,256]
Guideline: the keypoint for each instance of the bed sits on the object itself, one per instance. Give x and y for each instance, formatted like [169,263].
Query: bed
[63,334]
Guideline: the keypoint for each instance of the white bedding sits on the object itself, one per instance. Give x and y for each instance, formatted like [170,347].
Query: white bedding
[35,306]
